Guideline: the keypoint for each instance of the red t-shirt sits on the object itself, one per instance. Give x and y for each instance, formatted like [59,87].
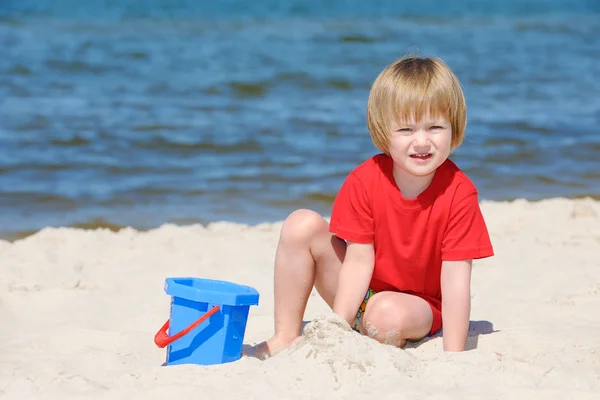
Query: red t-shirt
[411,237]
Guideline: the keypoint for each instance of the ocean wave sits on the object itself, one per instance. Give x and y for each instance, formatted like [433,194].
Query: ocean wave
[165,145]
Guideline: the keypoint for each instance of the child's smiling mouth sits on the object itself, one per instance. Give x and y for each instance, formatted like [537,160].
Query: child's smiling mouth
[421,156]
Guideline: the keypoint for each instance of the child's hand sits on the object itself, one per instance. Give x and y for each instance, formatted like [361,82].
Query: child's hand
[338,321]
[324,325]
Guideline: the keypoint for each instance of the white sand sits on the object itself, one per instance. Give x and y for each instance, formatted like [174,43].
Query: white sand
[80,309]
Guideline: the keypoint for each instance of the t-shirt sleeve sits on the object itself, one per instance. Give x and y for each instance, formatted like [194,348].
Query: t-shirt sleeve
[351,216]
[466,236]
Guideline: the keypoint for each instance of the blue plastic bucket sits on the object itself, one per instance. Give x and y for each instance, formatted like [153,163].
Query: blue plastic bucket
[207,321]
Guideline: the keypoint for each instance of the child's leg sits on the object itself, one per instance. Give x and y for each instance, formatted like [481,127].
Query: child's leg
[392,318]
[307,254]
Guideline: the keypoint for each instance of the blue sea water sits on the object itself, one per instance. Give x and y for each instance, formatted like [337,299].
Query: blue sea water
[144,112]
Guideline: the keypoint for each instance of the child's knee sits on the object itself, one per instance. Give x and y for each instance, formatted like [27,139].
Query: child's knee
[302,225]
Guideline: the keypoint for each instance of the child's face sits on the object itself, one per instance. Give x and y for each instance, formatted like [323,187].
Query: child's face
[420,147]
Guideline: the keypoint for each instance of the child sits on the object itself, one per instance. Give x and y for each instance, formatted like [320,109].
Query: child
[395,260]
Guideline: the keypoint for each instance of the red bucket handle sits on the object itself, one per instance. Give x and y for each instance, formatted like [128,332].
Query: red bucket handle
[162,339]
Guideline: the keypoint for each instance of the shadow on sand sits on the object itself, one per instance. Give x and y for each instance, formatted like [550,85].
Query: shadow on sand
[476,329]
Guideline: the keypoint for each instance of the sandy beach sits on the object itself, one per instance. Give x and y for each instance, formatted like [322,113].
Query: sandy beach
[80,309]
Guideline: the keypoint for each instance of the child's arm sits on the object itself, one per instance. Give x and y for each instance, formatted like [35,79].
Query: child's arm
[456,303]
[353,280]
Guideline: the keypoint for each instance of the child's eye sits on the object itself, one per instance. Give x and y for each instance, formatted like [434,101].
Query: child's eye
[403,130]
[436,127]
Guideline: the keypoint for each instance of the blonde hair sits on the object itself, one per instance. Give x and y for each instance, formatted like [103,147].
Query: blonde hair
[410,88]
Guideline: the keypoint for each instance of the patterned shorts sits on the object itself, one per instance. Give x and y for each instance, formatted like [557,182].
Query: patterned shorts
[361,309]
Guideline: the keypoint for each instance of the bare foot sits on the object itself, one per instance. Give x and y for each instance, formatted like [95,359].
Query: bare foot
[269,348]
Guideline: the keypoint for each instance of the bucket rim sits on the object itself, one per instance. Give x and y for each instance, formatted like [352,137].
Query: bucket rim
[213,291]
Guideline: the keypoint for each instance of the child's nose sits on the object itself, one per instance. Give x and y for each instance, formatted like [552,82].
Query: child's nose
[421,138]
